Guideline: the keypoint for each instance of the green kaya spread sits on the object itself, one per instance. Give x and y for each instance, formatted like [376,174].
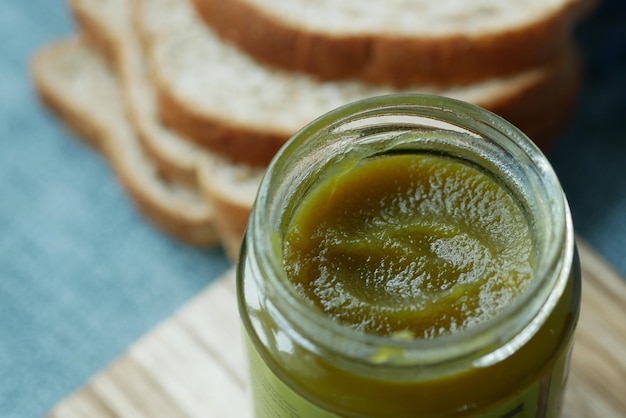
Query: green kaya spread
[417,245]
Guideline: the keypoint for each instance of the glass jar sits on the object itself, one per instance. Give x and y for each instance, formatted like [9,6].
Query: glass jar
[305,364]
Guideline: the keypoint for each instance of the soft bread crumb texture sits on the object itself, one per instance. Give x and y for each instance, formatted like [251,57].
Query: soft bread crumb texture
[424,18]
[397,43]
[209,74]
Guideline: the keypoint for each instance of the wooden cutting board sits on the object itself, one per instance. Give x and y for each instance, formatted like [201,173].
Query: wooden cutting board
[192,365]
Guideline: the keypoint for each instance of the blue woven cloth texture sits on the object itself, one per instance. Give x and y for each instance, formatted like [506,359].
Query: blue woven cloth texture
[82,276]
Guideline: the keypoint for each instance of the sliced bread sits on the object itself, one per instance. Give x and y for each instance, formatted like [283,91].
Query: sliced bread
[225,101]
[397,42]
[77,83]
[107,25]
[229,188]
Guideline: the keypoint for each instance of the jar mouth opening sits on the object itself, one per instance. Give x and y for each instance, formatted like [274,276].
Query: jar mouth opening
[488,141]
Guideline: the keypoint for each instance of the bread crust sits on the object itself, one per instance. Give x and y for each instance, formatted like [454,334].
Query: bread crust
[392,60]
[237,143]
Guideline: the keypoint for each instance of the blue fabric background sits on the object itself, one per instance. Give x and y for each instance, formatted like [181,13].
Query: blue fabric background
[82,276]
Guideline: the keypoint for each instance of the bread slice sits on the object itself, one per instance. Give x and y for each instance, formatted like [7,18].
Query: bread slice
[397,42]
[75,82]
[229,188]
[223,100]
[107,25]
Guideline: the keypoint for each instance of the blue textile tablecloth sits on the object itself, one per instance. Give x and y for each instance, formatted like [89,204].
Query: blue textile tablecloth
[82,276]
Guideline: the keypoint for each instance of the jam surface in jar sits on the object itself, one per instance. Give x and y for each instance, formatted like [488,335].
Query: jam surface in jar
[409,246]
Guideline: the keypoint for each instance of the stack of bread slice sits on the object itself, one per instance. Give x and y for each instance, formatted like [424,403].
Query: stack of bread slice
[190,99]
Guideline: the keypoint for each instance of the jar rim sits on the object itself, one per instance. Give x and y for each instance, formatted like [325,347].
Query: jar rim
[483,344]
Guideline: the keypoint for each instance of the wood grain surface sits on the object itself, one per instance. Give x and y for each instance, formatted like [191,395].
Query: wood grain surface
[192,365]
